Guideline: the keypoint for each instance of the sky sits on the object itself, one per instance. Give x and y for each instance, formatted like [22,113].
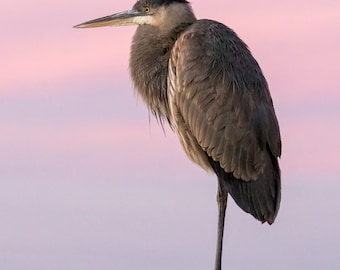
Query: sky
[88,180]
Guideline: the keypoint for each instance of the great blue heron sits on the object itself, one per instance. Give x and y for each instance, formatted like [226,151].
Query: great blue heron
[199,76]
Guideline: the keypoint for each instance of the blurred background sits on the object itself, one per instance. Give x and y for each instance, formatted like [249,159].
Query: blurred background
[88,179]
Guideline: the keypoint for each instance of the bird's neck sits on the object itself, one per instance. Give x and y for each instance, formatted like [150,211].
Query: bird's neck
[149,58]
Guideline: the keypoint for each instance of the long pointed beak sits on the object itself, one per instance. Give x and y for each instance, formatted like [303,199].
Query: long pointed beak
[119,19]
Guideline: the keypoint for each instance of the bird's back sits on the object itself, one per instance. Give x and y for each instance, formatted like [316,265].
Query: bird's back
[223,114]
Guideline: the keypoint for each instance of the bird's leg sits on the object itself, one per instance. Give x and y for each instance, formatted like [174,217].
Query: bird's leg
[222,197]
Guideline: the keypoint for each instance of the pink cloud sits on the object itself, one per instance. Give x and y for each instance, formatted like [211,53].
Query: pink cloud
[289,43]
[295,44]
[310,147]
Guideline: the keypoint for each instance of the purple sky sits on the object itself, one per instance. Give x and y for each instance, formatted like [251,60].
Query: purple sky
[88,183]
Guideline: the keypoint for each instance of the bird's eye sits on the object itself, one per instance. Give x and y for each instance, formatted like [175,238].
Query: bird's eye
[147,9]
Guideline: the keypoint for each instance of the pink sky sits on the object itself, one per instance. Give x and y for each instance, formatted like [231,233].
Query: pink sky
[77,149]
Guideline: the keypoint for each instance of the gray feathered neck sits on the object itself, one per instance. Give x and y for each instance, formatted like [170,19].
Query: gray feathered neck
[150,52]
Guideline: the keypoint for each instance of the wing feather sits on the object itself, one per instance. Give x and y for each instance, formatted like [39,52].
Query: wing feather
[227,121]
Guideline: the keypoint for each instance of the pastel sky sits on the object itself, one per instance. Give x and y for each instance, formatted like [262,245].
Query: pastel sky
[87,181]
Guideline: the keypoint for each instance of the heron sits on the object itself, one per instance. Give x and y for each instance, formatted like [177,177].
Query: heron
[201,78]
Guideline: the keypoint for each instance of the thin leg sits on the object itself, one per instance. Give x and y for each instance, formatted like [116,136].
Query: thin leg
[222,197]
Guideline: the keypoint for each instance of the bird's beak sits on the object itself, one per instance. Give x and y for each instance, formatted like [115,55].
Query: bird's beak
[127,17]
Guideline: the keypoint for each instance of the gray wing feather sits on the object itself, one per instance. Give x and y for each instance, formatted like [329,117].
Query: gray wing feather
[219,98]
[224,99]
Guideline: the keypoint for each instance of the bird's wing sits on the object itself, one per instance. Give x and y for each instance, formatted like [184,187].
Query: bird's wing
[220,102]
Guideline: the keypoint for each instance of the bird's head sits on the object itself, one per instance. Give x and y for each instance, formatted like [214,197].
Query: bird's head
[159,13]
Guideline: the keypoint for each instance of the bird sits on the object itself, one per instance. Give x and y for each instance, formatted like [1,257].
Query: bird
[198,76]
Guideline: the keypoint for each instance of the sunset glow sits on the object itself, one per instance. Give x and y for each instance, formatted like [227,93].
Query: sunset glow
[90,182]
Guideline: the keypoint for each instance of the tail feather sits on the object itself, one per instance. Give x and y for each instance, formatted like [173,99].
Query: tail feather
[260,197]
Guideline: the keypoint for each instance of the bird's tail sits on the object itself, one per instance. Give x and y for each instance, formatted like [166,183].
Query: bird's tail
[261,197]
